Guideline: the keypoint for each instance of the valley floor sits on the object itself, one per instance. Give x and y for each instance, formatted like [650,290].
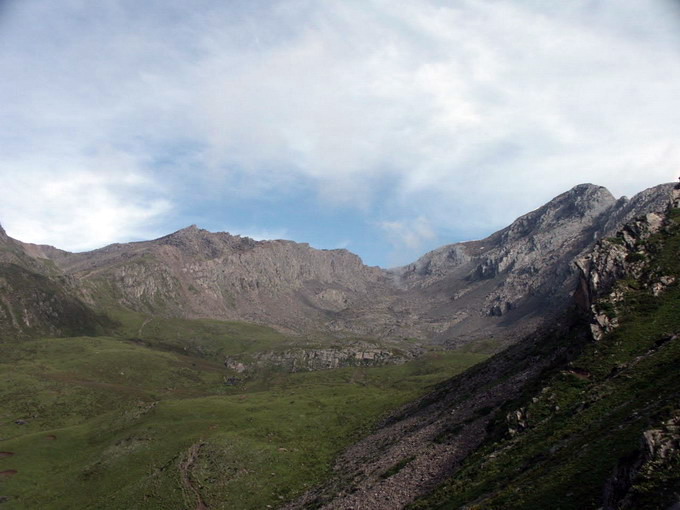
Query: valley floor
[101,422]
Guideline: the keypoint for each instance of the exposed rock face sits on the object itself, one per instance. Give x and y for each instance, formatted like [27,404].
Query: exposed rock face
[358,354]
[601,287]
[661,444]
[650,200]
[197,274]
[515,278]
[659,451]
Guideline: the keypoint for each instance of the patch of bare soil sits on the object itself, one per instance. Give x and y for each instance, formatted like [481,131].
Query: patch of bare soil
[6,454]
[8,472]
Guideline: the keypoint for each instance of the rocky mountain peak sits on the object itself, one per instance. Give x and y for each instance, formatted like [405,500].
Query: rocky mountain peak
[586,189]
[523,268]
[539,228]
[589,197]
[191,229]
[190,232]
[201,243]
[3,234]
[653,199]
[580,204]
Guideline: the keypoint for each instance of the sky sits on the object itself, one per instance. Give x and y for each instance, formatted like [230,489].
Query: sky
[385,127]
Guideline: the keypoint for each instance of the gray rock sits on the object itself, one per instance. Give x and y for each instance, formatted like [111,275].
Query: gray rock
[311,359]
[612,259]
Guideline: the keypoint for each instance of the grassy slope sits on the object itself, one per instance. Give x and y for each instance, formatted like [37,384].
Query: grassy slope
[125,417]
[588,417]
[32,304]
[205,338]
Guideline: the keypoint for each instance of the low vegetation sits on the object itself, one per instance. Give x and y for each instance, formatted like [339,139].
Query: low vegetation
[104,422]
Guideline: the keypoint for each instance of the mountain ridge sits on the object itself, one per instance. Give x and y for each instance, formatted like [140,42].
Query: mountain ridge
[502,286]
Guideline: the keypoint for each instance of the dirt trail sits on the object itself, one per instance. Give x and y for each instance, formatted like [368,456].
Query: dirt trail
[6,454]
[8,472]
[185,467]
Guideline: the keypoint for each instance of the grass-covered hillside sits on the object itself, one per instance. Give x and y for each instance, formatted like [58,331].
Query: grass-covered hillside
[34,303]
[105,422]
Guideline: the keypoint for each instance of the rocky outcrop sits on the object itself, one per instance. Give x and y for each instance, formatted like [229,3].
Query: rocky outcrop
[659,452]
[358,354]
[602,285]
[518,421]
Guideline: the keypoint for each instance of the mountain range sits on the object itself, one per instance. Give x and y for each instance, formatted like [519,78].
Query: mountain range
[499,287]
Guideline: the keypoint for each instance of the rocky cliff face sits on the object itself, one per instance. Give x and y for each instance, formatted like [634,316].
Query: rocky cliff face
[198,274]
[620,263]
[512,280]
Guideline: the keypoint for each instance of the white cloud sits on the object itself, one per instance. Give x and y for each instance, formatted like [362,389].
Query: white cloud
[452,102]
[410,234]
[79,208]
[473,112]
[407,238]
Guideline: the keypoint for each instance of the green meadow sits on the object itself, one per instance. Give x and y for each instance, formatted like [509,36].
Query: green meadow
[153,422]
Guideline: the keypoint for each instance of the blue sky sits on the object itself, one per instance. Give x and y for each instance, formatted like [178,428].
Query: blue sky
[385,127]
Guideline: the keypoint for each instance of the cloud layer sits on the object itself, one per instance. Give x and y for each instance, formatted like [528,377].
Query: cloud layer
[454,116]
